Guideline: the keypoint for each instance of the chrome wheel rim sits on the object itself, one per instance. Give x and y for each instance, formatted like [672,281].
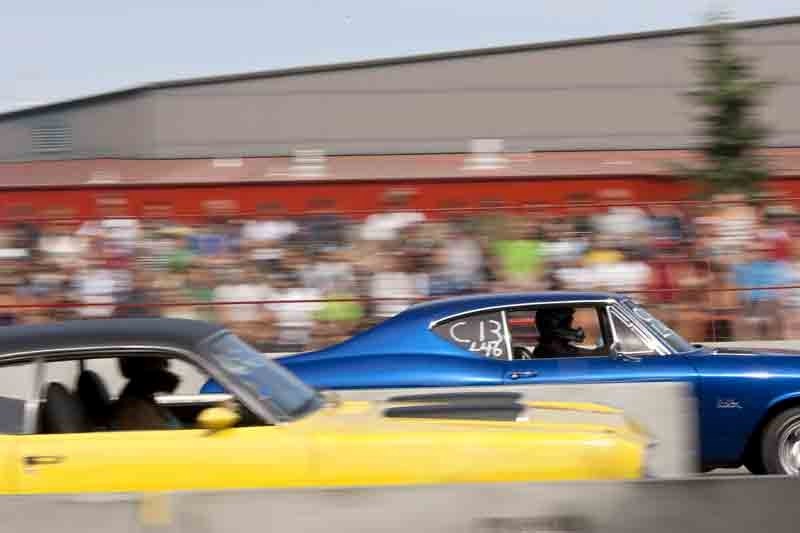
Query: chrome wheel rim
[789,448]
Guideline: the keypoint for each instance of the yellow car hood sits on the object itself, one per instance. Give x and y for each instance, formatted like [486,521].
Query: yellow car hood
[474,437]
[445,415]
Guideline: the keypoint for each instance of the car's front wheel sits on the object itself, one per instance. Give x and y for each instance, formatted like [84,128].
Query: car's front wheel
[780,445]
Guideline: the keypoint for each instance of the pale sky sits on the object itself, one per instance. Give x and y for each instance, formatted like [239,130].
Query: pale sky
[55,50]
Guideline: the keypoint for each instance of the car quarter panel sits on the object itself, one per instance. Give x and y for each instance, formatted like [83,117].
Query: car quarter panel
[391,337]
[397,371]
[736,391]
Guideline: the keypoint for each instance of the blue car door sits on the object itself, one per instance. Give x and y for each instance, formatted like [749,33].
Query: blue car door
[637,358]
[599,369]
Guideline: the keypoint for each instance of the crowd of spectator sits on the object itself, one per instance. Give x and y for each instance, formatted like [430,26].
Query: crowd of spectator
[689,263]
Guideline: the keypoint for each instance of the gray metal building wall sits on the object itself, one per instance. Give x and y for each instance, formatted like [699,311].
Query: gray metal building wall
[115,127]
[626,93]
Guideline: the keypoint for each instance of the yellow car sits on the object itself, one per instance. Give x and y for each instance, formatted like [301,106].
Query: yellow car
[63,431]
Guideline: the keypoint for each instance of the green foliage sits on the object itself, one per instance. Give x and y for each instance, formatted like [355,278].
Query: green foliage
[728,95]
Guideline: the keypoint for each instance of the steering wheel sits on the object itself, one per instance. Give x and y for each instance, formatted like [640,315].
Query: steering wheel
[521,352]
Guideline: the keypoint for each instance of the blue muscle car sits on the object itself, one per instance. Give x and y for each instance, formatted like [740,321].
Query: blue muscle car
[749,402]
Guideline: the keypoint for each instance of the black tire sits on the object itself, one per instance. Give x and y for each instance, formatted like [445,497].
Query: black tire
[774,439]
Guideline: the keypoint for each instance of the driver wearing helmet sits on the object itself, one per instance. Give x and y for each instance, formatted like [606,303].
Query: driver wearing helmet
[556,334]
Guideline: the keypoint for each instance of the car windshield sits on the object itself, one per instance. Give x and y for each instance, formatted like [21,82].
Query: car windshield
[276,385]
[658,328]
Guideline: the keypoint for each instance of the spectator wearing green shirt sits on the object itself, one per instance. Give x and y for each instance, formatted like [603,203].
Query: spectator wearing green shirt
[199,288]
[181,256]
[520,256]
[336,320]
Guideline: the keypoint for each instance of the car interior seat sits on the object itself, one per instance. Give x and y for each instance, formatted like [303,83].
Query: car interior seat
[62,411]
[93,395]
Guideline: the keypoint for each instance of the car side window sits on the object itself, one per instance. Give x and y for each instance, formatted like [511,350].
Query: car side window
[17,388]
[93,395]
[630,340]
[526,339]
[191,376]
[484,334]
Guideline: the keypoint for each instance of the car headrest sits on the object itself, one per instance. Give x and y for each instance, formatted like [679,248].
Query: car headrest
[62,412]
[90,387]
[94,396]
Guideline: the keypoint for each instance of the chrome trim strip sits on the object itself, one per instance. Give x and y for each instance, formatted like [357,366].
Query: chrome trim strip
[31,354]
[615,314]
[186,399]
[507,335]
[614,335]
[641,322]
[648,341]
[33,403]
[433,323]
[644,335]
[662,348]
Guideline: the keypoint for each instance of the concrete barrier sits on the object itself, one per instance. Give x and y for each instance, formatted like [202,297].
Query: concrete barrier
[733,505]
[667,410]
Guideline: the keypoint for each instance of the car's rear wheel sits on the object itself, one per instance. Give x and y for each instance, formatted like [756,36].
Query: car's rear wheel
[780,445]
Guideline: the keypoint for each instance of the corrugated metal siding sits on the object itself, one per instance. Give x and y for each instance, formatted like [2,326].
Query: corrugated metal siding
[603,96]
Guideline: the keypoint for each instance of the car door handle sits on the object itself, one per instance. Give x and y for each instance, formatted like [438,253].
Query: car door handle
[32,460]
[522,374]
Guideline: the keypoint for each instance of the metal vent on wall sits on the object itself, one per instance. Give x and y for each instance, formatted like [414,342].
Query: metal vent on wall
[51,138]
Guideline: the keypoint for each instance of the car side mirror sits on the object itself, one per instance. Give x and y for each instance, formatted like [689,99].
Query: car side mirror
[217,418]
[617,355]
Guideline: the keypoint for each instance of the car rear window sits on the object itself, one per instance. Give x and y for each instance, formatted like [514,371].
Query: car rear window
[483,334]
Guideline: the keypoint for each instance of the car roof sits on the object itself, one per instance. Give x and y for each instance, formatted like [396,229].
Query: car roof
[75,334]
[404,331]
[439,309]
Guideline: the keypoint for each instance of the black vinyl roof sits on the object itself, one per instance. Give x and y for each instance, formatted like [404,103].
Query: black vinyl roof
[384,62]
[146,332]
